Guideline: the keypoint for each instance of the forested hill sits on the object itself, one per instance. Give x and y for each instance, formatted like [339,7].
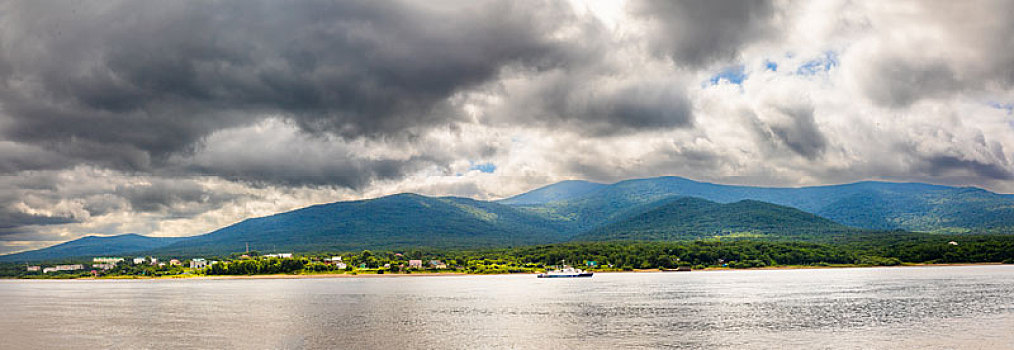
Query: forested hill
[634,209]
[868,205]
[397,221]
[559,191]
[694,218]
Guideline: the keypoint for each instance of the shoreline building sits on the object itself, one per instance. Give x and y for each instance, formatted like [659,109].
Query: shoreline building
[104,266]
[56,268]
[198,263]
[106,260]
[335,261]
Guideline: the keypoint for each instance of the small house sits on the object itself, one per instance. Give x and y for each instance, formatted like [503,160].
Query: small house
[175,262]
[104,266]
[139,260]
[73,267]
[334,260]
[198,263]
[34,268]
[415,263]
[106,260]
[437,264]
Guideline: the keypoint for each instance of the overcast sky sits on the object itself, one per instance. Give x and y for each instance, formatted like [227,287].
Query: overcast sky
[174,118]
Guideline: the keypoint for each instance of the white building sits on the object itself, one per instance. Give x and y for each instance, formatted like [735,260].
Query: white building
[139,260]
[279,255]
[104,266]
[106,260]
[34,268]
[198,263]
[415,263]
[73,267]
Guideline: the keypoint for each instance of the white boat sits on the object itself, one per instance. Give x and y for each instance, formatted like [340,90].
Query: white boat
[566,271]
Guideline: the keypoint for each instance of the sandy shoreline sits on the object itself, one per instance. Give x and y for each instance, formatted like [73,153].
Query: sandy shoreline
[433,274]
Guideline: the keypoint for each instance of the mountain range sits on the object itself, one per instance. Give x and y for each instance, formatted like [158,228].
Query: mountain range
[868,205]
[90,246]
[661,208]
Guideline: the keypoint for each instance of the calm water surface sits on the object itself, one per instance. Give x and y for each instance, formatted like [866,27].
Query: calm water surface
[880,308]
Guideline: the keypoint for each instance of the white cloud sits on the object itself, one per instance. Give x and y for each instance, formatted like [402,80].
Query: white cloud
[912,91]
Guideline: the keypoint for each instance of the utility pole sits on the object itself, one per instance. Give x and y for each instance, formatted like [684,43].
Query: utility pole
[247,247]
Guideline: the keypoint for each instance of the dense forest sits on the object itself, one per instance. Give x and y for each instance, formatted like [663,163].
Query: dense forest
[883,249]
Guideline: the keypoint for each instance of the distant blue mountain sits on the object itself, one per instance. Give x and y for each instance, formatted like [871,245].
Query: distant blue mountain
[397,221]
[679,218]
[869,205]
[92,246]
[559,191]
[642,209]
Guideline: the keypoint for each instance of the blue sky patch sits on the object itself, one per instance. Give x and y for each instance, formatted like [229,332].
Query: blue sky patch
[819,65]
[483,167]
[771,66]
[734,74]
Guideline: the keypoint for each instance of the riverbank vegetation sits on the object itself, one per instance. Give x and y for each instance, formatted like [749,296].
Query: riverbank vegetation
[749,252]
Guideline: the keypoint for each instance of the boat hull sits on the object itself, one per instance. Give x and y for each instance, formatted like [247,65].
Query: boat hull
[587,274]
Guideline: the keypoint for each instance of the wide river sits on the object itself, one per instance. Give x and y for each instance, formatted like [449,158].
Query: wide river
[966,307]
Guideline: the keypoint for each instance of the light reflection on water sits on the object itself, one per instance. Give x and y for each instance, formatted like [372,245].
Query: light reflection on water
[888,308]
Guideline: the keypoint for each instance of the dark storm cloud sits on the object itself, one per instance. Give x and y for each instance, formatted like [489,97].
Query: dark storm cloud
[42,198]
[16,192]
[792,126]
[16,157]
[899,83]
[942,164]
[800,133]
[12,219]
[125,85]
[277,152]
[696,33]
[970,51]
[173,196]
[593,102]
[351,172]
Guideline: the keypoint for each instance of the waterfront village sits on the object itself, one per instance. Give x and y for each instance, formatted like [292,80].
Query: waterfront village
[237,264]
